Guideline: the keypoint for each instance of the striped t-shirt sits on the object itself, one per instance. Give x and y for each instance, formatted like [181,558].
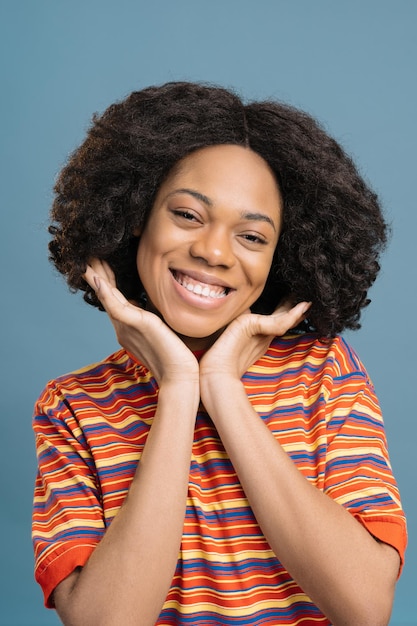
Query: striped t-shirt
[316,398]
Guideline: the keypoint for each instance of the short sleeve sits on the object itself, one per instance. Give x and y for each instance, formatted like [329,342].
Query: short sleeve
[68,519]
[358,469]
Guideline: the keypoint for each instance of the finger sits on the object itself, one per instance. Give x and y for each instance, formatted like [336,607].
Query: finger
[298,310]
[107,293]
[89,275]
[110,297]
[109,273]
[282,320]
[103,269]
[286,305]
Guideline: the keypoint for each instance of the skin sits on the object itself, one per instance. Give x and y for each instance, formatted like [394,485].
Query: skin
[217,219]
[204,229]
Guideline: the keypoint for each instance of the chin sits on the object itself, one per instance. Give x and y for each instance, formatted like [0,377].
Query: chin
[196,333]
[194,337]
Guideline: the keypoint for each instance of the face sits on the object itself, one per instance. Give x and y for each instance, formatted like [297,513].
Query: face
[207,247]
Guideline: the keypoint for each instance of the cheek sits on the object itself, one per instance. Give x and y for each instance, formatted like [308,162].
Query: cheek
[262,271]
[146,251]
[139,259]
[144,261]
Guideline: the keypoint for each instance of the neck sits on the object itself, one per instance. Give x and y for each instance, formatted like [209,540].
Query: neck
[195,344]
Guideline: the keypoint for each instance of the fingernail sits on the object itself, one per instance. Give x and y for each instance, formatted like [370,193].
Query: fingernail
[97,282]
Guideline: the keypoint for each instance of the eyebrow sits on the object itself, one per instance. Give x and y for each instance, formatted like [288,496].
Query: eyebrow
[258,217]
[196,194]
[254,217]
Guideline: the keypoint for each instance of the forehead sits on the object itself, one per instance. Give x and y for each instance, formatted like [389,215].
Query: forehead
[227,174]
[229,157]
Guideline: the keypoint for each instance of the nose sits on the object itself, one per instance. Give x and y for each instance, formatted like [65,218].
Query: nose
[214,246]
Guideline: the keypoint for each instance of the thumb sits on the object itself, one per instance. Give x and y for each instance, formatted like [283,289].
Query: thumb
[282,320]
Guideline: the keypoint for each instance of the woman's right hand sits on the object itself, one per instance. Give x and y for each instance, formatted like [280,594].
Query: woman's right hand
[128,576]
[142,333]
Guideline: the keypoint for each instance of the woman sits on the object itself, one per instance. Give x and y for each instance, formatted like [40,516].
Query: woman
[228,465]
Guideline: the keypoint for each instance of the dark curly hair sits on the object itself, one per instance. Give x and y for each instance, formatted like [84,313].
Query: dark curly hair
[333,228]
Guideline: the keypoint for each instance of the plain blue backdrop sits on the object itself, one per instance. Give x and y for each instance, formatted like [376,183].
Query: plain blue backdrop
[352,64]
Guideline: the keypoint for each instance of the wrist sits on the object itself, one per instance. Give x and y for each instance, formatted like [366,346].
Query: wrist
[178,386]
[180,396]
[217,387]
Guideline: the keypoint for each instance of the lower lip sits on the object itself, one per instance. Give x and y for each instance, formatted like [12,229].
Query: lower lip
[195,300]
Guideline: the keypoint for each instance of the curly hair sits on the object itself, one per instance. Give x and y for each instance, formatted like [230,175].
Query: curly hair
[333,228]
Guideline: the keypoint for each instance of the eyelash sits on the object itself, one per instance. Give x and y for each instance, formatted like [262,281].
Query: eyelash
[254,239]
[185,214]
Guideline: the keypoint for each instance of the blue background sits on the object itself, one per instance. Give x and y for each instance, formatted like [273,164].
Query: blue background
[352,64]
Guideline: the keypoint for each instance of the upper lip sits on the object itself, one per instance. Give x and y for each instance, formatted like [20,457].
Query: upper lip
[202,277]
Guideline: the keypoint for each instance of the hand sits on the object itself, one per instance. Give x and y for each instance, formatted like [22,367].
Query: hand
[143,334]
[246,339]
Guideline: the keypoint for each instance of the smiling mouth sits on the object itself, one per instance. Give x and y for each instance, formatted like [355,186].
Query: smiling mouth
[200,289]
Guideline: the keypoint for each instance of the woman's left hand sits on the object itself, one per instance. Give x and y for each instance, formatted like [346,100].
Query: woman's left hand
[360,572]
[246,339]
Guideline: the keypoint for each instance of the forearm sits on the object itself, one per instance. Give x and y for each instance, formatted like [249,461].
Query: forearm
[127,578]
[348,574]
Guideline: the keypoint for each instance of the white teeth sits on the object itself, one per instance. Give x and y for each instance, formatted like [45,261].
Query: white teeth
[199,290]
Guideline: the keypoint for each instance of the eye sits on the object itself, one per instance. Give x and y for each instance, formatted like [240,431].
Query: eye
[185,214]
[256,239]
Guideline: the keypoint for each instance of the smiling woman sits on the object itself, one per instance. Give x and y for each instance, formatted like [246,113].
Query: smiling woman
[207,247]
[228,465]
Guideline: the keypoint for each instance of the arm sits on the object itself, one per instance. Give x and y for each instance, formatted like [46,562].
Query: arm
[129,574]
[334,559]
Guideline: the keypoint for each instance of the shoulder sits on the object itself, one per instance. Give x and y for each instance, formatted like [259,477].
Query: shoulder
[313,356]
[99,379]
[311,346]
